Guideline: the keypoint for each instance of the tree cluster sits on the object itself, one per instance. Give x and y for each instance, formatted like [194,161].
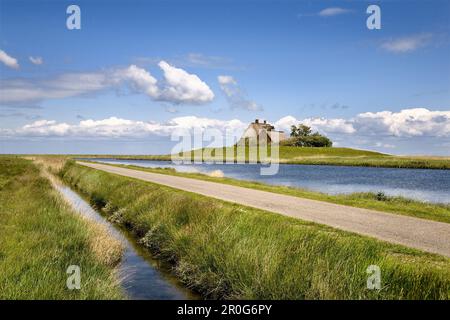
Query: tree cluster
[302,136]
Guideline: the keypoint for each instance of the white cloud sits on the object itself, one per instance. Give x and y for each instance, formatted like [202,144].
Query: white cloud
[67,85]
[114,127]
[405,123]
[330,125]
[140,80]
[226,80]
[8,61]
[333,11]
[178,85]
[46,127]
[407,44]
[36,60]
[236,97]
[321,124]
[285,123]
[384,129]
[183,87]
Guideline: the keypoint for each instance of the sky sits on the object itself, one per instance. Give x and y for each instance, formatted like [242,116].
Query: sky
[137,71]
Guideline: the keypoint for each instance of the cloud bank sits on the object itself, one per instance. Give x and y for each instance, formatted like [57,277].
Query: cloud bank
[114,127]
[407,123]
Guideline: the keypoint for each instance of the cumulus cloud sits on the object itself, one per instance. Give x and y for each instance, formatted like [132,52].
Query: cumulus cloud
[177,87]
[8,61]
[331,125]
[181,86]
[140,80]
[405,123]
[36,60]
[285,123]
[408,131]
[333,11]
[407,44]
[236,97]
[320,124]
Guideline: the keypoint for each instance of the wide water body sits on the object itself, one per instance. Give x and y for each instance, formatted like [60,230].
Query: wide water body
[419,184]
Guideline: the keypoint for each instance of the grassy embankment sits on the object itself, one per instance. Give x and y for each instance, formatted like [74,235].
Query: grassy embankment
[40,237]
[367,200]
[224,250]
[315,156]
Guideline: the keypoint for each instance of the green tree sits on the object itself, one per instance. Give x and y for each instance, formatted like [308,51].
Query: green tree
[300,131]
[302,136]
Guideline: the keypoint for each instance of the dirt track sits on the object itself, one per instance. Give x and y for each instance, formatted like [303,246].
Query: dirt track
[412,232]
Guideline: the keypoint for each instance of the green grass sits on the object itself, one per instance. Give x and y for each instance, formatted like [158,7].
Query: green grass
[368,200]
[40,237]
[312,156]
[225,250]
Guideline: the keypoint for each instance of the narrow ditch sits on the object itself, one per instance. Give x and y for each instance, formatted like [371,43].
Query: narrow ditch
[141,276]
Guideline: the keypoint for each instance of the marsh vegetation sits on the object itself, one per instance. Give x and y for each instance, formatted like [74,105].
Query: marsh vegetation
[223,250]
[41,236]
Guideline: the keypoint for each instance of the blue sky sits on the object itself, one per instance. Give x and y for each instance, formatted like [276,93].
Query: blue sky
[284,61]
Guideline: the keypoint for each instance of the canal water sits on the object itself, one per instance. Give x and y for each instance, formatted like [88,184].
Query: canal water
[419,184]
[141,276]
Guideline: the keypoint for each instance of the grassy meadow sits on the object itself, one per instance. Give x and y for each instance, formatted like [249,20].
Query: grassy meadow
[224,250]
[309,155]
[41,236]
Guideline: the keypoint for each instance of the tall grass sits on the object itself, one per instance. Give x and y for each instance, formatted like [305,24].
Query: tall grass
[40,237]
[224,250]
